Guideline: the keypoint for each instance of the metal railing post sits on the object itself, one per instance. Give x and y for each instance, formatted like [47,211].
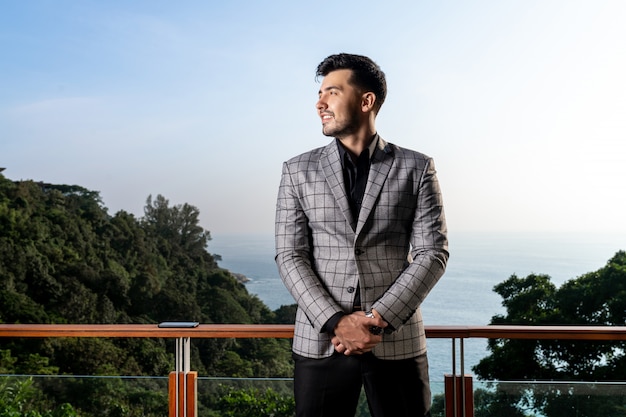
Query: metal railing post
[454,387]
[462,347]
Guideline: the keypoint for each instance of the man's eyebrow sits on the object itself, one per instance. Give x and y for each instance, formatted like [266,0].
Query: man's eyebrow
[330,87]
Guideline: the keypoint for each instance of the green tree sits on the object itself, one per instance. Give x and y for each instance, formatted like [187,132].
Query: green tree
[286,314]
[21,398]
[255,403]
[64,259]
[596,298]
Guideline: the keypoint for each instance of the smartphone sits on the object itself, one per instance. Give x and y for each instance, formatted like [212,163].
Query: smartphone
[179,324]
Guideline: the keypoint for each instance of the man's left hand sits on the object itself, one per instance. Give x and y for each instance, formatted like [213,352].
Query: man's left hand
[353,336]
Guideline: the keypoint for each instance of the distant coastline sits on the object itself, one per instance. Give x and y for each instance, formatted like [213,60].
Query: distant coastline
[465,295]
[478,261]
[240,277]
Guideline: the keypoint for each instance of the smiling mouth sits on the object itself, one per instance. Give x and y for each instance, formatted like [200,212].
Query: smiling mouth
[326,118]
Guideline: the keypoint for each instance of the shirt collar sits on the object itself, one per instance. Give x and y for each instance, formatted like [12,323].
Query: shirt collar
[370,149]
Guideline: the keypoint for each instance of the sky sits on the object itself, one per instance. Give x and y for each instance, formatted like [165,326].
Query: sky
[522,104]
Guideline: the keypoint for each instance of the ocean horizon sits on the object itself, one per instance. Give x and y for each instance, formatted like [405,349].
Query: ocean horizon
[464,295]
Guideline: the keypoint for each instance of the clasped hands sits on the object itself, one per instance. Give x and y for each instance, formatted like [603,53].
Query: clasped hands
[352,334]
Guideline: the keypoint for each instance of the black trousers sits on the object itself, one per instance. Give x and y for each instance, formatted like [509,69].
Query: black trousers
[330,387]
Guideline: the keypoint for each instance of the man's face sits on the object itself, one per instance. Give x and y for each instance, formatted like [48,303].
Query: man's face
[339,104]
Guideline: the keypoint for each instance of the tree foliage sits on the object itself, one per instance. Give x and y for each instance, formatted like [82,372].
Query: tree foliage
[255,403]
[20,398]
[595,298]
[64,259]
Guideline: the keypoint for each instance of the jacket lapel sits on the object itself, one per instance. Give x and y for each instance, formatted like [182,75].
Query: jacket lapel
[379,169]
[331,167]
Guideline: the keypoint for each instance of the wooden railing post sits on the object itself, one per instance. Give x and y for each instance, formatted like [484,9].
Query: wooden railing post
[458,388]
[172,390]
[192,393]
[459,395]
[183,388]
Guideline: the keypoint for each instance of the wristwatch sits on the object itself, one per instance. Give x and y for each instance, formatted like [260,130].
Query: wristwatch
[375,330]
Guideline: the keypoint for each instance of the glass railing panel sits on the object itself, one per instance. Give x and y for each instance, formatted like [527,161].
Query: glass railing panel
[69,396]
[437,386]
[105,396]
[245,397]
[239,396]
[440,356]
[550,399]
[252,397]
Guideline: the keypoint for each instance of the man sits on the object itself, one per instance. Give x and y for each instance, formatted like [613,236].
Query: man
[360,242]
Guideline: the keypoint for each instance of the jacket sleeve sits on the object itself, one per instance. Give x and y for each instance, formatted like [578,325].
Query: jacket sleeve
[294,256]
[428,254]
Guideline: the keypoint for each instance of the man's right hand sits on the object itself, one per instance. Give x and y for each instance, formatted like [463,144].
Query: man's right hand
[353,336]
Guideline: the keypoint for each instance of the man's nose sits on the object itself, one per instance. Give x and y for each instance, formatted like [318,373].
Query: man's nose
[321,104]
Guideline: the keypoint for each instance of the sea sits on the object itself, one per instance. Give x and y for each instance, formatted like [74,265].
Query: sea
[464,295]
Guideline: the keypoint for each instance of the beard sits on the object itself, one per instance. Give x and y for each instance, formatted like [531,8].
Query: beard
[342,128]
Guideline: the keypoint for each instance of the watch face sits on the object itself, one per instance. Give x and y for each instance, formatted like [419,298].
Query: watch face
[375,330]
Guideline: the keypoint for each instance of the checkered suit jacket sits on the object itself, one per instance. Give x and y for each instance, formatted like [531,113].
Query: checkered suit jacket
[396,250]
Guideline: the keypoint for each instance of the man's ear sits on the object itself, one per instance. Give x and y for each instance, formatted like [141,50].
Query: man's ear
[367,101]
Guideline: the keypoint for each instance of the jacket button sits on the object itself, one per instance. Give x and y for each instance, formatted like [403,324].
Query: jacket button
[358,252]
[350,290]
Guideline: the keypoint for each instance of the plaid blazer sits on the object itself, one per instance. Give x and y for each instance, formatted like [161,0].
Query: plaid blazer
[396,250]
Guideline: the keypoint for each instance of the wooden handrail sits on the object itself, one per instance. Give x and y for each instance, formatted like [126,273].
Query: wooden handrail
[203,331]
[187,391]
[528,332]
[285,331]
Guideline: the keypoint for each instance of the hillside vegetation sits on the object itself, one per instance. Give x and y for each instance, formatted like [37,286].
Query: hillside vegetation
[65,259]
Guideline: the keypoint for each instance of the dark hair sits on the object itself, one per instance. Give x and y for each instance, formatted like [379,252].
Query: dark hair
[366,74]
